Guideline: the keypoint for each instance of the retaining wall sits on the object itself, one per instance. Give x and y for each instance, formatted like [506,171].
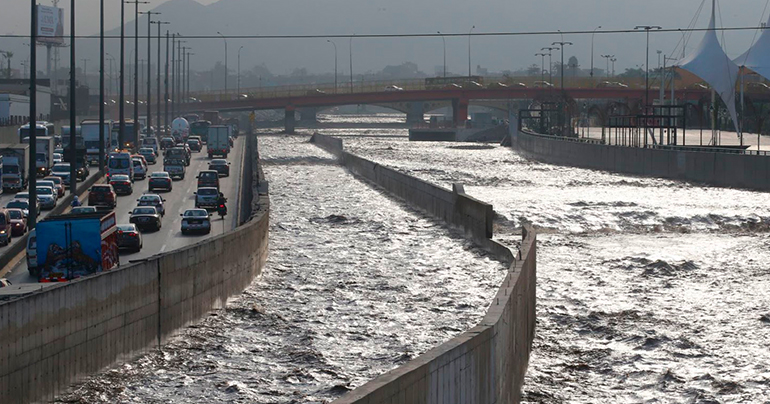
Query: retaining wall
[712,168]
[50,338]
[487,363]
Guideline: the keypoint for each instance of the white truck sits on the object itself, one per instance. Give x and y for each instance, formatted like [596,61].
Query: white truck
[43,154]
[218,141]
[15,160]
[89,129]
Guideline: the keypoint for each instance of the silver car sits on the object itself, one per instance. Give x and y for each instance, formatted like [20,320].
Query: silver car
[47,197]
[196,220]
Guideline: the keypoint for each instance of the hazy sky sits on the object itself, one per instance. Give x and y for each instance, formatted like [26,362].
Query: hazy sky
[428,16]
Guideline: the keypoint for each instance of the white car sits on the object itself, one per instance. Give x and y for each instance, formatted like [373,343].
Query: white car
[196,220]
[393,88]
[57,158]
[62,170]
[46,196]
[140,169]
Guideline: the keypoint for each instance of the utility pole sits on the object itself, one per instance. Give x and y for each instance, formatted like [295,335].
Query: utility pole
[149,68]
[187,97]
[168,49]
[592,53]
[157,77]
[136,69]
[542,64]
[469,51]
[102,148]
[335,63]
[647,29]
[562,44]
[73,119]
[608,57]
[32,212]
[550,49]
[444,41]
[239,71]
[350,50]
[121,97]
[226,71]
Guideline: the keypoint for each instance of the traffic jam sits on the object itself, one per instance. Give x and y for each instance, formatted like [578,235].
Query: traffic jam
[88,238]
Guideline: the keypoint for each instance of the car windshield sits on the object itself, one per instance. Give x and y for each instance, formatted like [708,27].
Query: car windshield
[137,163]
[159,175]
[46,183]
[196,213]
[146,151]
[17,204]
[8,169]
[149,198]
[40,157]
[174,162]
[126,227]
[209,175]
[119,178]
[207,192]
[55,180]
[118,163]
[44,191]
[218,163]
[97,189]
[143,211]
[16,214]
[22,195]
[63,169]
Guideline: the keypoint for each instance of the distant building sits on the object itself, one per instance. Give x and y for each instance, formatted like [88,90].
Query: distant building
[21,87]
[14,109]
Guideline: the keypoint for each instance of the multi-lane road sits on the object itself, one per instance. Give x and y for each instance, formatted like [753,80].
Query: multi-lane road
[178,200]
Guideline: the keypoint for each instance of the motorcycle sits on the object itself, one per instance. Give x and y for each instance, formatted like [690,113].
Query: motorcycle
[222,210]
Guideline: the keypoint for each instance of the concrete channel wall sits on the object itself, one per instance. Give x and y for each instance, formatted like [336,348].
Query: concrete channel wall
[706,167]
[487,363]
[50,338]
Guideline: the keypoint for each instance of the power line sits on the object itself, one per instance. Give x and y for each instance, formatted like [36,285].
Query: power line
[417,35]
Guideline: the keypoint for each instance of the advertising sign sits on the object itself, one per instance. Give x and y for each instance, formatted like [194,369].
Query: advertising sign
[50,24]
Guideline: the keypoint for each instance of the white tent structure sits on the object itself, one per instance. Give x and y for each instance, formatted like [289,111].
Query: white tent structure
[710,62]
[757,58]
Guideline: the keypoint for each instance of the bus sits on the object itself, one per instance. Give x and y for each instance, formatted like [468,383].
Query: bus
[42,129]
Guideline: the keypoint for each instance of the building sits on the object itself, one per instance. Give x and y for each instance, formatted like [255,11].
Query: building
[21,87]
[14,109]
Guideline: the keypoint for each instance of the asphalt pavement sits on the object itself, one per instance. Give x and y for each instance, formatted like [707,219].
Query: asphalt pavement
[178,200]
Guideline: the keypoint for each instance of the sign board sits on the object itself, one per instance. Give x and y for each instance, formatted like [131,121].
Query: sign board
[50,24]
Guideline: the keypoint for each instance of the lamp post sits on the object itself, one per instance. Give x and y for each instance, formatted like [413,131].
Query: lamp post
[592,52]
[444,41]
[350,52]
[121,90]
[613,60]
[149,68]
[608,57]
[335,63]
[187,97]
[136,69]
[32,212]
[542,64]
[562,44]
[550,49]
[165,81]
[101,87]
[73,118]
[469,50]
[226,72]
[239,71]
[647,29]
[157,76]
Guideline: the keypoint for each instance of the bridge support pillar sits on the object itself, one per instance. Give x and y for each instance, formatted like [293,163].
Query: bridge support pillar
[459,111]
[289,121]
[416,112]
[309,115]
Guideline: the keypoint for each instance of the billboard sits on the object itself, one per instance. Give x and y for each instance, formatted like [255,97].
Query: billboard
[50,24]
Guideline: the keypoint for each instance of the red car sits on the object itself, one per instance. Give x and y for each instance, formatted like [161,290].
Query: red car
[18,222]
[102,195]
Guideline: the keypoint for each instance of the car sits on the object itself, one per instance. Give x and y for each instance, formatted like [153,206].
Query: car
[160,180]
[166,143]
[102,195]
[146,217]
[194,145]
[32,253]
[58,184]
[18,222]
[121,184]
[153,200]
[175,167]
[140,169]
[6,227]
[58,158]
[208,178]
[198,138]
[149,155]
[541,84]
[59,150]
[4,282]
[393,88]
[47,197]
[221,166]
[177,153]
[187,151]
[22,204]
[129,237]
[196,220]
[83,210]
[207,198]
[150,142]
[62,170]
[49,183]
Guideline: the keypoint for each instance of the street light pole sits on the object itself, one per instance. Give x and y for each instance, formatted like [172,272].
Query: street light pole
[122,94]
[444,41]
[239,71]
[165,81]
[562,44]
[613,60]
[187,97]
[542,64]
[149,68]
[101,87]
[157,77]
[647,29]
[550,49]
[335,63]
[469,50]
[592,53]
[350,52]
[136,70]
[226,72]
[73,118]
[32,212]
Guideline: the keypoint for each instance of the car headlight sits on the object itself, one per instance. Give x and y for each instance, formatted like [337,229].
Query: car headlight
[2,231]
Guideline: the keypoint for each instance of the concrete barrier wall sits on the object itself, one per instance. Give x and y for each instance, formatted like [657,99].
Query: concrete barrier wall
[487,363]
[712,168]
[50,338]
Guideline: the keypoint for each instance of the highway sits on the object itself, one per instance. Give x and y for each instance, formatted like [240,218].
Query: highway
[178,200]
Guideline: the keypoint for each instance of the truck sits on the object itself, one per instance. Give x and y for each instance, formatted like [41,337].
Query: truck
[15,162]
[130,139]
[200,129]
[43,129]
[180,129]
[81,158]
[89,129]
[43,154]
[211,116]
[71,246]
[218,141]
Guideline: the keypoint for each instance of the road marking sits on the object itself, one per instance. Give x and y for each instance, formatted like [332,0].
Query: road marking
[163,248]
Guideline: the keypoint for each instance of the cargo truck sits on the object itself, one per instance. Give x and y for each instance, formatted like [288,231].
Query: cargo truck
[15,162]
[200,129]
[218,141]
[71,246]
[130,139]
[89,129]
[43,154]
[211,116]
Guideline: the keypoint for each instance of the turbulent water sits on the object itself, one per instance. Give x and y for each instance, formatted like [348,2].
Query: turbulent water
[355,285]
[648,290]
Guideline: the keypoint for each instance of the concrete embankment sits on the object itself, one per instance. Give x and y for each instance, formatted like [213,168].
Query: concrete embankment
[51,338]
[706,167]
[487,363]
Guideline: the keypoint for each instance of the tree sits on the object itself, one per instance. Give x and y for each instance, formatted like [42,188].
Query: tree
[533,70]
[632,73]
